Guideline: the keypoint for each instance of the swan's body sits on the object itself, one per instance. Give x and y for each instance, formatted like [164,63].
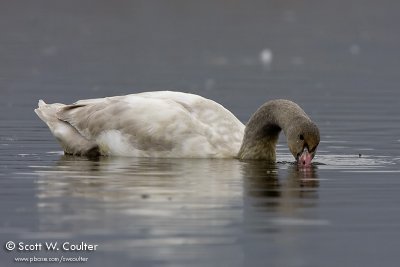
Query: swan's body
[167,124]
[153,124]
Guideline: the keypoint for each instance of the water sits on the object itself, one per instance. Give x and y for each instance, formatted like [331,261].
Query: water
[338,60]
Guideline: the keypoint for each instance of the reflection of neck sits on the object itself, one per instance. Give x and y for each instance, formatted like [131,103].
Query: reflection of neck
[262,130]
[263,181]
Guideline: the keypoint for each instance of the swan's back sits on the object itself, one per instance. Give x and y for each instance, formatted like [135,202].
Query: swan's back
[152,124]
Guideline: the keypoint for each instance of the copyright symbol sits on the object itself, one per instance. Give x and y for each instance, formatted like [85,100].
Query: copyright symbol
[10,245]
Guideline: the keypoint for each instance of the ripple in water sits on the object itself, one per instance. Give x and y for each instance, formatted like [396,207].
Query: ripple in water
[346,162]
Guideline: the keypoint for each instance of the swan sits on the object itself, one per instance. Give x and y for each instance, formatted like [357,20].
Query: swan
[180,125]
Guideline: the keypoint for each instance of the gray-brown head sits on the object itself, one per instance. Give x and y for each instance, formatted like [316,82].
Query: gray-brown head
[303,139]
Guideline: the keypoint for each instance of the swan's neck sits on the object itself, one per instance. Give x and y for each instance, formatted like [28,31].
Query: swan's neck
[262,131]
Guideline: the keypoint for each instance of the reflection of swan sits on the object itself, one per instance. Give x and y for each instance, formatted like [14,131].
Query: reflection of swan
[263,182]
[177,125]
[278,201]
[282,191]
[151,208]
[162,187]
[138,202]
[133,178]
[217,182]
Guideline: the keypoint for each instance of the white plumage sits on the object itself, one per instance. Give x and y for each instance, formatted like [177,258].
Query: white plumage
[152,124]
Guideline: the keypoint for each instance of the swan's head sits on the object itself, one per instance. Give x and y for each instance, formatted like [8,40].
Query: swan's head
[303,139]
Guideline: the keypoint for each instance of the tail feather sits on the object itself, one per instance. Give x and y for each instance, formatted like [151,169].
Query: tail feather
[70,139]
[41,103]
[47,112]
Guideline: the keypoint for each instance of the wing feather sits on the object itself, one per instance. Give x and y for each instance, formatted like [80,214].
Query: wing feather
[159,121]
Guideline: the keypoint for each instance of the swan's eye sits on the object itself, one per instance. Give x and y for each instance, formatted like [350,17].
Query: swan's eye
[301,137]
